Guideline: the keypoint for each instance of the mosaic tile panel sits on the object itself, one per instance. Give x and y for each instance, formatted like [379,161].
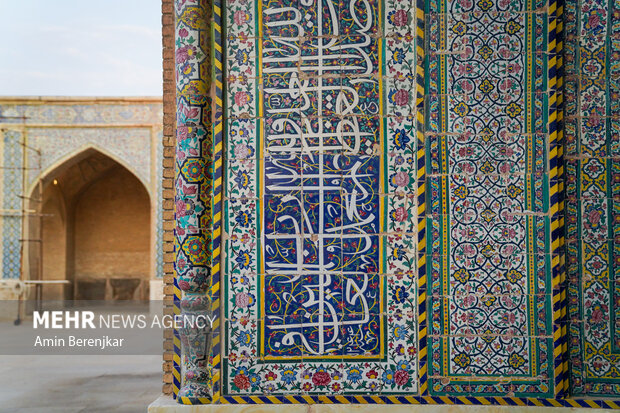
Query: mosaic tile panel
[489,295]
[198,183]
[324,175]
[61,112]
[159,236]
[593,196]
[320,203]
[12,155]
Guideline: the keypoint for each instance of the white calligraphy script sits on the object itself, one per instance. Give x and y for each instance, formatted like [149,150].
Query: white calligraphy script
[335,130]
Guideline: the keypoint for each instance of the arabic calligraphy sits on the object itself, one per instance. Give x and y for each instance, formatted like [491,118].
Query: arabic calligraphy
[321,203]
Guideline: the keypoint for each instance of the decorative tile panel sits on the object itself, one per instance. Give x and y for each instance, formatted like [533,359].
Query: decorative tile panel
[593,198]
[347,137]
[132,146]
[59,112]
[12,187]
[198,183]
[489,295]
[321,197]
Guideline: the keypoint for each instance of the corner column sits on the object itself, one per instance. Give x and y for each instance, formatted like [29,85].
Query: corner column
[196,188]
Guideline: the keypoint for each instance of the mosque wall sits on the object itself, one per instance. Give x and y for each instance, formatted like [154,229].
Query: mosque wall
[397,202]
[52,149]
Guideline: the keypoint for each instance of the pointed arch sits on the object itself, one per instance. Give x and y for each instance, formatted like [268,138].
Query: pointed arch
[75,156]
[104,245]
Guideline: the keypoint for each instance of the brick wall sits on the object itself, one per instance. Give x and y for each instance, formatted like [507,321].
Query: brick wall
[169,141]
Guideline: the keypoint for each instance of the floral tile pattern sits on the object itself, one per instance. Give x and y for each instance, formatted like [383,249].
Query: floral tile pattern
[488,286]
[593,195]
[126,145]
[395,225]
[198,192]
[320,201]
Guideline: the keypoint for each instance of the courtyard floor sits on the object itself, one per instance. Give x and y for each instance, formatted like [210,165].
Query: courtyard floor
[71,384]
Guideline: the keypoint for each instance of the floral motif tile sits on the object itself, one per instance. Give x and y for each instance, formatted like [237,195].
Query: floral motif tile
[320,197]
[489,253]
[12,187]
[321,277]
[593,196]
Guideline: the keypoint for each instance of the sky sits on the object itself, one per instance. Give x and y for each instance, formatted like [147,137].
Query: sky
[80,48]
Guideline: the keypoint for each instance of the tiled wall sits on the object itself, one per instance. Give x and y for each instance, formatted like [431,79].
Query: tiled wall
[12,186]
[413,204]
[490,290]
[592,148]
[39,134]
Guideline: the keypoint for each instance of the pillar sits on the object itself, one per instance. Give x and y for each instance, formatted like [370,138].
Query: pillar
[197,199]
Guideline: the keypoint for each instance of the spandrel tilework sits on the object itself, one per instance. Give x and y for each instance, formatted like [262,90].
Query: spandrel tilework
[489,258]
[320,169]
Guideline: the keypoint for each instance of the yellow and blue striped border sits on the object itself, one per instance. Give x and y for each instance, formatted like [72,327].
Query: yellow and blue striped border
[176,344]
[563,383]
[429,400]
[561,177]
[555,202]
[421,201]
[218,124]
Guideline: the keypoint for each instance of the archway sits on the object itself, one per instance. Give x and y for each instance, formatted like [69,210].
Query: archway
[94,227]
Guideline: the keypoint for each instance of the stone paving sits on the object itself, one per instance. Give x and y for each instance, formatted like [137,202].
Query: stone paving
[72,384]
